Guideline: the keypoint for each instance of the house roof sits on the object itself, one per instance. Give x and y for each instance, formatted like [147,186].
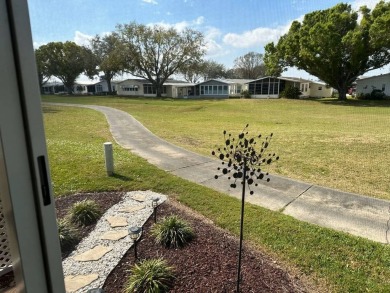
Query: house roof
[294,79]
[361,78]
[228,81]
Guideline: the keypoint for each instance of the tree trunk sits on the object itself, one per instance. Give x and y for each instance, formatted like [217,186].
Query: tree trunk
[109,85]
[69,87]
[158,87]
[342,93]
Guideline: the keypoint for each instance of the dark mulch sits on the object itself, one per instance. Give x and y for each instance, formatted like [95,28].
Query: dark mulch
[207,264]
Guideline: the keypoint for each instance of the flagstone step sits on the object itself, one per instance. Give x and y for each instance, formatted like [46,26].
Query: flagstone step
[117,221]
[114,235]
[74,283]
[95,253]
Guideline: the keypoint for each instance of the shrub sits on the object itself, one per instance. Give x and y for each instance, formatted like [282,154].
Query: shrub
[68,234]
[245,94]
[153,275]
[84,213]
[374,95]
[172,232]
[291,92]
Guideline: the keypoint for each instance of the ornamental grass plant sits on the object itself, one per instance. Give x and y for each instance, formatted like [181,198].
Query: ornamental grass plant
[173,232]
[67,234]
[84,213]
[150,276]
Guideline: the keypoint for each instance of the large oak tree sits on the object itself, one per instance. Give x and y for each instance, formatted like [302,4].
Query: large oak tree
[105,51]
[42,67]
[156,52]
[334,45]
[67,61]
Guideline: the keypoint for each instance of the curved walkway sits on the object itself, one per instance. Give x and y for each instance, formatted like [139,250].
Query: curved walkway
[356,214]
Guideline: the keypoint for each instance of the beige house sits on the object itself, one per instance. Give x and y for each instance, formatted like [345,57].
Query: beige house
[138,87]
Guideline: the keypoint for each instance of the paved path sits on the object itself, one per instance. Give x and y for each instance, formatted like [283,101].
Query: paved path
[356,214]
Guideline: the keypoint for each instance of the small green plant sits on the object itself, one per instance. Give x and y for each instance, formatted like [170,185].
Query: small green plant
[173,232]
[150,276]
[84,213]
[245,94]
[68,234]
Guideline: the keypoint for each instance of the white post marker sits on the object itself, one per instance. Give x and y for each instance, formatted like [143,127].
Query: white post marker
[109,158]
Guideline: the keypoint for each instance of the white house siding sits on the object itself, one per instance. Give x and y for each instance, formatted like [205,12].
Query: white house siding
[379,82]
[131,87]
[320,90]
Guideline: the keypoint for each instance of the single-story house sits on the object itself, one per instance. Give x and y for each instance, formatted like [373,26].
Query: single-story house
[365,85]
[271,87]
[220,88]
[80,88]
[144,88]
[54,87]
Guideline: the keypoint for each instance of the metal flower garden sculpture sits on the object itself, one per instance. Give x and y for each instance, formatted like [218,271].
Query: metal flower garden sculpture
[243,159]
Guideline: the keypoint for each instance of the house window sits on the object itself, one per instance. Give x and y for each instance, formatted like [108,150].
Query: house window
[225,90]
[305,87]
[150,90]
[130,88]
[99,88]
[238,90]
[383,87]
[320,88]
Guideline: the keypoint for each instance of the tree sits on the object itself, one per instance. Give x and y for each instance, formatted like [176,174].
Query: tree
[67,61]
[213,70]
[250,66]
[193,72]
[42,67]
[155,53]
[332,45]
[104,50]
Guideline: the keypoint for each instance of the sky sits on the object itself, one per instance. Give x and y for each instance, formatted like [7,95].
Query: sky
[231,28]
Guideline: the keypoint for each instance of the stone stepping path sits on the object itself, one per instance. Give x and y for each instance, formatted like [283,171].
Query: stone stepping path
[98,254]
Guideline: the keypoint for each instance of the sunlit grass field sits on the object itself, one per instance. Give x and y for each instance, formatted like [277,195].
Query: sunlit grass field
[343,145]
[334,261]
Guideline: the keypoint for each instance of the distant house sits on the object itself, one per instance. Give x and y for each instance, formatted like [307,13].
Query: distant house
[79,88]
[143,88]
[365,85]
[271,87]
[55,87]
[220,88]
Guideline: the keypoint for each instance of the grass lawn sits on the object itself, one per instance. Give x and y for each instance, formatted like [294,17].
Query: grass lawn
[343,145]
[333,259]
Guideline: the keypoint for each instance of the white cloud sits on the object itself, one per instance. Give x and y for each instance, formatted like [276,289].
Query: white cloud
[150,2]
[36,45]
[212,47]
[256,37]
[199,20]
[358,3]
[180,26]
[82,39]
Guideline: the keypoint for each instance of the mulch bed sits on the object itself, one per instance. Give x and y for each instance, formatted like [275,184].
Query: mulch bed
[207,264]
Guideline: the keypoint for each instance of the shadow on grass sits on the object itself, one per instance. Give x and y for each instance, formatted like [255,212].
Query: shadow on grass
[121,177]
[350,102]
[50,109]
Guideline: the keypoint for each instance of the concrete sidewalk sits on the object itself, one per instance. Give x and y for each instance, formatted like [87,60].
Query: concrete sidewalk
[356,214]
